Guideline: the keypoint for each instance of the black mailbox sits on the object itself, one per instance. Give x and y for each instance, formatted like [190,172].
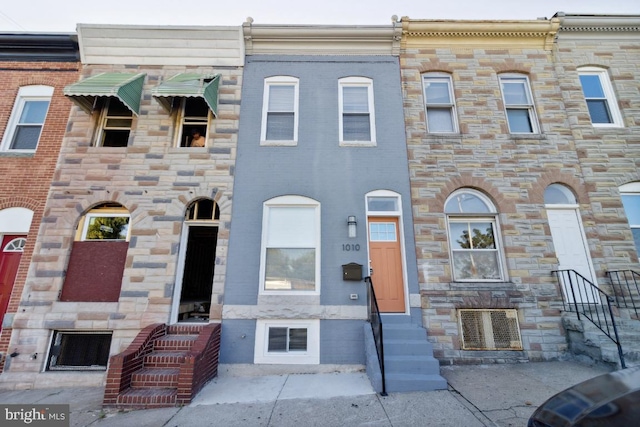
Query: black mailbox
[352,271]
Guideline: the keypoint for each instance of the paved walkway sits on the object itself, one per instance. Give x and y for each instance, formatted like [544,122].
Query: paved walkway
[484,395]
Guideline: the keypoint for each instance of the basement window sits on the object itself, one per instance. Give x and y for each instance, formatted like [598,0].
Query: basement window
[490,329]
[79,351]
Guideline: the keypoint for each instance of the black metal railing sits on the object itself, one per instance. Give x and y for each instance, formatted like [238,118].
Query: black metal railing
[581,296]
[376,327]
[625,288]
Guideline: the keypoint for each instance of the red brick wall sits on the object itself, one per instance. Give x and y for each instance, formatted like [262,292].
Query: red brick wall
[26,179]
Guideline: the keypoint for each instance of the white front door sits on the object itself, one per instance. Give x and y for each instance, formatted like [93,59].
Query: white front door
[571,250]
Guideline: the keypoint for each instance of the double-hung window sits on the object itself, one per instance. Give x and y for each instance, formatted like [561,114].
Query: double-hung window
[292,341]
[357,116]
[280,111]
[473,237]
[518,103]
[630,194]
[115,124]
[290,258]
[27,119]
[439,103]
[601,101]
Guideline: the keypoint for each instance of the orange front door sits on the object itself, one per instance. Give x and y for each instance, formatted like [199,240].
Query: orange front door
[10,253]
[386,263]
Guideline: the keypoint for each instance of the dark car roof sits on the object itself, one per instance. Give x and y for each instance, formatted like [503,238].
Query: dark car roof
[611,399]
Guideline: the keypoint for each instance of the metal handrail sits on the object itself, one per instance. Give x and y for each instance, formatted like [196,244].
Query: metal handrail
[590,301]
[376,327]
[625,288]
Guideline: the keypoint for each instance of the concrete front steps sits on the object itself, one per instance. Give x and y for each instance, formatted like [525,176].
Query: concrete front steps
[408,357]
[164,366]
[585,339]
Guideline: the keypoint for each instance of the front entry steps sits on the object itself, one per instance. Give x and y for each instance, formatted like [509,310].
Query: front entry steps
[408,357]
[164,366]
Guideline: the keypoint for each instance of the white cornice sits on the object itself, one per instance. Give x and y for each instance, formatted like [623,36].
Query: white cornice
[598,27]
[321,40]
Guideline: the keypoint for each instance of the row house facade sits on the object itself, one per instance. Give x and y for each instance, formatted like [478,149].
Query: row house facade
[140,200]
[34,69]
[521,139]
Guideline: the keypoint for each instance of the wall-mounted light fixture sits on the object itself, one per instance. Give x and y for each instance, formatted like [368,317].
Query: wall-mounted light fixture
[351,224]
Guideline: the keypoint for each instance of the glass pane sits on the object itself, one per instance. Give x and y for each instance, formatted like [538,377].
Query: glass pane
[290,269]
[439,120]
[467,203]
[297,339]
[107,228]
[591,86]
[277,339]
[482,236]
[519,121]
[116,108]
[355,99]
[281,98]
[478,265]
[26,138]
[636,239]
[196,107]
[631,203]
[382,232]
[515,93]
[356,127]
[382,204]
[599,111]
[292,226]
[437,92]
[115,138]
[34,112]
[557,194]
[280,126]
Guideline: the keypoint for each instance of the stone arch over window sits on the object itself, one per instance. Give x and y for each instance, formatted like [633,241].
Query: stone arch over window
[474,237]
[98,255]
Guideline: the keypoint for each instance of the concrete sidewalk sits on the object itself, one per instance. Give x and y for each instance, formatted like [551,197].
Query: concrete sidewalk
[478,395]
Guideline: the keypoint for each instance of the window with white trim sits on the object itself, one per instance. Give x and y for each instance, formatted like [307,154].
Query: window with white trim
[280,111]
[601,101]
[290,341]
[290,256]
[439,103]
[473,237]
[105,223]
[27,119]
[630,194]
[518,103]
[114,124]
[193,122]
[357,115]
[79,351]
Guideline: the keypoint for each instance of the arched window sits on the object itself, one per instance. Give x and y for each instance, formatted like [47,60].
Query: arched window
[558,194]
[473,237]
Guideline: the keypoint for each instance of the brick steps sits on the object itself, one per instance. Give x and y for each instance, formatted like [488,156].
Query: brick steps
[164,366]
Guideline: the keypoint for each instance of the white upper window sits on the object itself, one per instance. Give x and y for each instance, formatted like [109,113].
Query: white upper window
[473,237]
[518,103]
[280,111]
[439,103]
[601,102]
[357,116]
[27,119]
[115,124]
[290,256]
[193,122]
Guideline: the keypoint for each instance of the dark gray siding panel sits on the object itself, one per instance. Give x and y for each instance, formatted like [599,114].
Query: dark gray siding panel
[342,342]
[237,341]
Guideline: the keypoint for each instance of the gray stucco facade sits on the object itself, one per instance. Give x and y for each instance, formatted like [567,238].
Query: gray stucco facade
[336,176]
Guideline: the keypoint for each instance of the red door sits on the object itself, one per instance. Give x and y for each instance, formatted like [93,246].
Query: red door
[10,253]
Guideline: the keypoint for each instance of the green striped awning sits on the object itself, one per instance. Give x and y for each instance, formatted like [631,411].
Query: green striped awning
[186,85]
[124,86]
